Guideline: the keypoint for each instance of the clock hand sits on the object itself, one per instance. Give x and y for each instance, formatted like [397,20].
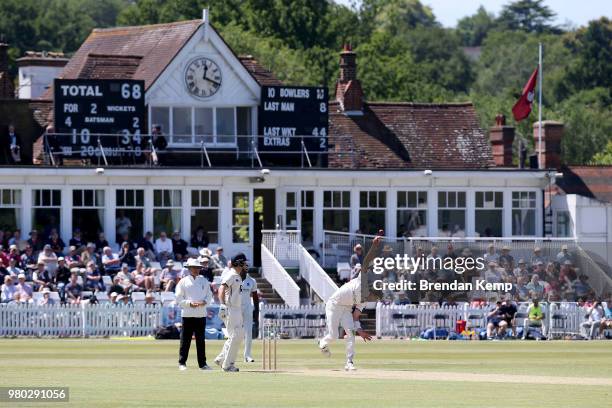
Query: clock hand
[210,80]
[205,69]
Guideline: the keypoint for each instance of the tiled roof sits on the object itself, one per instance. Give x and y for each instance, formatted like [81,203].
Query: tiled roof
[110,66]
[261,74]
[140,52]
[410,135]
[589,181]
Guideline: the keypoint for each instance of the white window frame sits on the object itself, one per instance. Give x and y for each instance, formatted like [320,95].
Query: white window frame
[500,209]
[169,133]
[522,201]
[169,206]
[452,208]
[15,203]
[342,205]
[408,207]
[208,207]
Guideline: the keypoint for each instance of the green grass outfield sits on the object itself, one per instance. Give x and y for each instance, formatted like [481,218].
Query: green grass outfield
[143,373]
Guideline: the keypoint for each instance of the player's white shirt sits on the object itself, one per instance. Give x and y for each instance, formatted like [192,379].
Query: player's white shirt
[348,294]
[233,282]
[249,285]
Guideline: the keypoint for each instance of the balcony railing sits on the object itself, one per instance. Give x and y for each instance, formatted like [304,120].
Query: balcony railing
[140,150]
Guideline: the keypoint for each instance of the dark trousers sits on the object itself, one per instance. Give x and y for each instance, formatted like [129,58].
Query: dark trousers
[191,326]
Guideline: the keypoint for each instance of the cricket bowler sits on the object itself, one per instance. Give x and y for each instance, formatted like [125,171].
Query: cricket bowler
[230,312]
[343,308]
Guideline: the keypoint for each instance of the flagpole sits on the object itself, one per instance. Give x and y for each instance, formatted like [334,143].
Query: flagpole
[540,164]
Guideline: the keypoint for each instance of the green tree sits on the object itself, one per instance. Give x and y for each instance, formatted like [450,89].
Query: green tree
[472,30]
[592,48]
[531,16]
[397,17]
[604,157]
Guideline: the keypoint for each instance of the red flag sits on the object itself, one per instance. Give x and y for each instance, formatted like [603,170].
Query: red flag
[522,107]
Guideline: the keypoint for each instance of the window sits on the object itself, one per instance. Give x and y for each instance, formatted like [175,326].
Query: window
[412,213]
[205,213]
[336,210]
[489,206]
[88,213]
[564,224]
[46,211]
[161,116]
[226,125]
[291,212]
[451,213]
[204,125]
[181,125]
[167,211]
[372,211]
[10,209]
[129,214]
[307,215]
[240,217]
[300,205]
[523,212]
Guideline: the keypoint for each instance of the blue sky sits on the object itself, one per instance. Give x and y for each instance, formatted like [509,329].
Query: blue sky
[579,12]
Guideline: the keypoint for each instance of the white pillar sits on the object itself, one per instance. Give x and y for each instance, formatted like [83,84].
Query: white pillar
[391,216]
[507,214]
[110,226]
[354,213]
[318,218]
[470,213]
[432,212]
[65,214]
[26,211]
[186,213]
[148,209]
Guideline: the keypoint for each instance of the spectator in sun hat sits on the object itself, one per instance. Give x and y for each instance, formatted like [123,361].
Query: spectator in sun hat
[491,255]
[14,253]
[506,257]
[538,257]
[206,270]
[521,269]
[219,260]
[23,287]
[492,274]
[564,255]
[535,287]
[113,298]
[46,299]
[169,277]
[357,257]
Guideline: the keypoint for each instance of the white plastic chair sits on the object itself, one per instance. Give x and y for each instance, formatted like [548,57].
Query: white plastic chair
[107,280]
[138,297]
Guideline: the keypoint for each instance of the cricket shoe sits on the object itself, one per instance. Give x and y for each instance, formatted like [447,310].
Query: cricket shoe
[218,361]
[249,360]
[205,367]
[349,366]
[231,369]
[182,367]
[325,351]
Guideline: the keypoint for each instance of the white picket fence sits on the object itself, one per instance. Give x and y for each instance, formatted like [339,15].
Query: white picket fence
[78,320]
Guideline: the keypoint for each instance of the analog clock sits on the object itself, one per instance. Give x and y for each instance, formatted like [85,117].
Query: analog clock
[202,77]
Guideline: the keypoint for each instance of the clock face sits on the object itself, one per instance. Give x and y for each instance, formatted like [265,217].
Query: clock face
[202,77]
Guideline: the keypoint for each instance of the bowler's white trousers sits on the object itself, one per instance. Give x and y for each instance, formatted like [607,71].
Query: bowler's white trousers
[335,316]
[247,319]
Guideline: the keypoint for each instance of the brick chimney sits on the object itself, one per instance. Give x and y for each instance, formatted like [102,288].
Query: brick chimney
[552,133]
[6,85]
[348,88]
[501,137]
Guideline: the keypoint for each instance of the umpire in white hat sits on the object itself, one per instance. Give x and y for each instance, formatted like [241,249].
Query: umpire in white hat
[193,294]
